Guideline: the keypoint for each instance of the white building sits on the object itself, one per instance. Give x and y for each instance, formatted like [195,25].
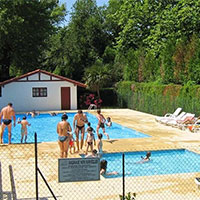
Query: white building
[41,91]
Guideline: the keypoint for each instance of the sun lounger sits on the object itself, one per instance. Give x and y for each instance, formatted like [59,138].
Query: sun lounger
[169,115]
[179,117]
[188,123]
[175,123]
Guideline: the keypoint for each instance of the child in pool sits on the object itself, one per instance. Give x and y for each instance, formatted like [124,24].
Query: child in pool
[89,140]
[103,169]
[146,158]
[24,131]
[109,122]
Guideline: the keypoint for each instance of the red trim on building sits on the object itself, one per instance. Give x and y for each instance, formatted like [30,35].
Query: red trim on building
[44,72]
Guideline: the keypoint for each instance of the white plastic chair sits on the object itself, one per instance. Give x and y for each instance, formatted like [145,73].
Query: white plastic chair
[175,123]
[169,115]
[179,117]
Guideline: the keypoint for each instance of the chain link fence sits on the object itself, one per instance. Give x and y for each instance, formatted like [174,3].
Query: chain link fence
[166,174]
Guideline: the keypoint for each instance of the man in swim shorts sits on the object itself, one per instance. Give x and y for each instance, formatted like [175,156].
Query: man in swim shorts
[7,113]
[79,126]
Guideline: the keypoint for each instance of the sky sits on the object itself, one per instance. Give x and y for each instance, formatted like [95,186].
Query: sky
[69,4]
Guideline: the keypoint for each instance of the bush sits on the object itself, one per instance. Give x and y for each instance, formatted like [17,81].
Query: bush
[109,97]
[158,99]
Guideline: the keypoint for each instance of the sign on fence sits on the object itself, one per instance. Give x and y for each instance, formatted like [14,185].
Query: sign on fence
[78,169]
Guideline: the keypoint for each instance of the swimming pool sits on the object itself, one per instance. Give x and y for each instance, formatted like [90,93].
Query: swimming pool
[45,127]
[162,162]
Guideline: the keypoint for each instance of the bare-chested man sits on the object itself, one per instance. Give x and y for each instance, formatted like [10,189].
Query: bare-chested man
[79,125]
[7,113]
[63,129]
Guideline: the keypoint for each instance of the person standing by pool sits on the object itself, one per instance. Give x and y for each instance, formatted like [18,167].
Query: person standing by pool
[101,123]
[7,113]
[63,129]
[89,140]
[100,145]
[79,125]
[24,131]
[71,144]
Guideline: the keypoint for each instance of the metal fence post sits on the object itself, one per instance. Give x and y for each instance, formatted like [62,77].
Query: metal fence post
[123,175]
[36,168]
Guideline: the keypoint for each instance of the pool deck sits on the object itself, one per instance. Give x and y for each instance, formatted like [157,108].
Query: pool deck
[162,136]
[164,187]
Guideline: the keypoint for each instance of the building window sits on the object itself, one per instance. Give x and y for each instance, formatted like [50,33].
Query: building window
[39,92]
[0,92]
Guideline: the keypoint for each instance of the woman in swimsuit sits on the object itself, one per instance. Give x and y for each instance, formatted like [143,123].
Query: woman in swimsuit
[63,129]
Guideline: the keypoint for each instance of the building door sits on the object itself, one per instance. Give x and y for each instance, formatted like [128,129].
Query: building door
[65,98]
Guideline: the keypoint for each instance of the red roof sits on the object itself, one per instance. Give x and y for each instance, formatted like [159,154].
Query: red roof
[44,72]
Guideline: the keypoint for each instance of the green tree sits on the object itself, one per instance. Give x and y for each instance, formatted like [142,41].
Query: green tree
[192,60]
[84,39]
[176,19]
[54,59]
[96,77]
[179,61]
[167,63]
[25,27]
[136,19]
[150,67]
[130,72]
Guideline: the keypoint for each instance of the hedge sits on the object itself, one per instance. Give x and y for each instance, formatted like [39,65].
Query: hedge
[158,99]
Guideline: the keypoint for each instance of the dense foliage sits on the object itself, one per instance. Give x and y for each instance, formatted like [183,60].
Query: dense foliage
[158,99]
[127,40]
[25,27]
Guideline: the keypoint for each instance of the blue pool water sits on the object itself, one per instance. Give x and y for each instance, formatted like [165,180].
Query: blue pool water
[45,127]
[162,162]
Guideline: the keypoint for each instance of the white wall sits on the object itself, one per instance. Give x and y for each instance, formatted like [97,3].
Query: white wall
[20,94]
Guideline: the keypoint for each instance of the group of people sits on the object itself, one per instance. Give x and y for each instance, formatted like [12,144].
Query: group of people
[64,130]
[7,114]
[66,139]
[33,113]
[65,135]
